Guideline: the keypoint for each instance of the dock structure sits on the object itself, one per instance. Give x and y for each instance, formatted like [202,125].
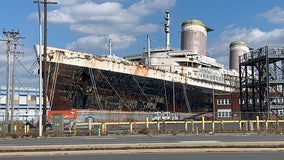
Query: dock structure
[262,82]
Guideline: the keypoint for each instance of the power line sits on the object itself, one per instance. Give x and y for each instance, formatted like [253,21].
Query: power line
[25,67]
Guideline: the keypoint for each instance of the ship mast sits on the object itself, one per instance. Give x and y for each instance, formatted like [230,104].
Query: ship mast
[110,46]
[167,29]
[148,50]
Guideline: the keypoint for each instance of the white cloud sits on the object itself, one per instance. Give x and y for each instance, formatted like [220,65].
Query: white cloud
[275,15]
[67,2]
[100,43]
[91,13]
[60,17]
[254,37]
[147,27]
[145,7]
[99,19]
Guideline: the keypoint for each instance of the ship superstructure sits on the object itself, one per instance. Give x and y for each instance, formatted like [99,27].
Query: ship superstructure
[155,80]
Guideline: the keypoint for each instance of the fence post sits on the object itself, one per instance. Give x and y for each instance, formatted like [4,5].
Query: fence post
[203,124]
[147,122]
[240,125]
[192,126]
[74,129]
[158,126]
[266,125]
[100,130]
[15,128]
[257,123]
[104,128]
[213,126]
[90,126]
[185,126]
[222,126]
[130,127]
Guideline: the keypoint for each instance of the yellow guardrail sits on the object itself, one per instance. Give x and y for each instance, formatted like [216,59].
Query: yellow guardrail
[257,123]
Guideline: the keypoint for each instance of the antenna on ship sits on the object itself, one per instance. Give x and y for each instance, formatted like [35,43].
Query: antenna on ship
[148,50]
[110,46]
[167,29]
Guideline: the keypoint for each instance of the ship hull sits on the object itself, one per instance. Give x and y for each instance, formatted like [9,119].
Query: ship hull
[77,80]
[77,87]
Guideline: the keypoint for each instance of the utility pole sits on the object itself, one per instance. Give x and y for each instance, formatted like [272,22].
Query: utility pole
[11,36]
[40,69]
[44,67]
[7,77]
[16,38]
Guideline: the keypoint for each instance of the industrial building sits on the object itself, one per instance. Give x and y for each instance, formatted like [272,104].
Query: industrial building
[25,105]
[227,106]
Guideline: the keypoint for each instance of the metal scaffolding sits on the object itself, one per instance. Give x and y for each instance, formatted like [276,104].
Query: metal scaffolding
[262,82]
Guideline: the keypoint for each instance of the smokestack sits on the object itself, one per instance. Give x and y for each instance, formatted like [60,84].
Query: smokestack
[194,36]
[237,48]
[167,29]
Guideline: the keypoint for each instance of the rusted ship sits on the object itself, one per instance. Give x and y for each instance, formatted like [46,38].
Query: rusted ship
[156,80]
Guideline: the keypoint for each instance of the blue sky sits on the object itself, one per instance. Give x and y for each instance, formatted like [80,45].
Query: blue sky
[86,25]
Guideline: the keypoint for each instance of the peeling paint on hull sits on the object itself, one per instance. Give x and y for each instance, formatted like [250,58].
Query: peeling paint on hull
[117,91]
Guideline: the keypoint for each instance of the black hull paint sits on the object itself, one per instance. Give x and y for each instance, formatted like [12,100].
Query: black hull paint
[74,87]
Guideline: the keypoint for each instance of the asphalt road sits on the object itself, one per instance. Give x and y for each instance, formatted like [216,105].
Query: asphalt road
[164,156]
[137,139]
[178,145]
